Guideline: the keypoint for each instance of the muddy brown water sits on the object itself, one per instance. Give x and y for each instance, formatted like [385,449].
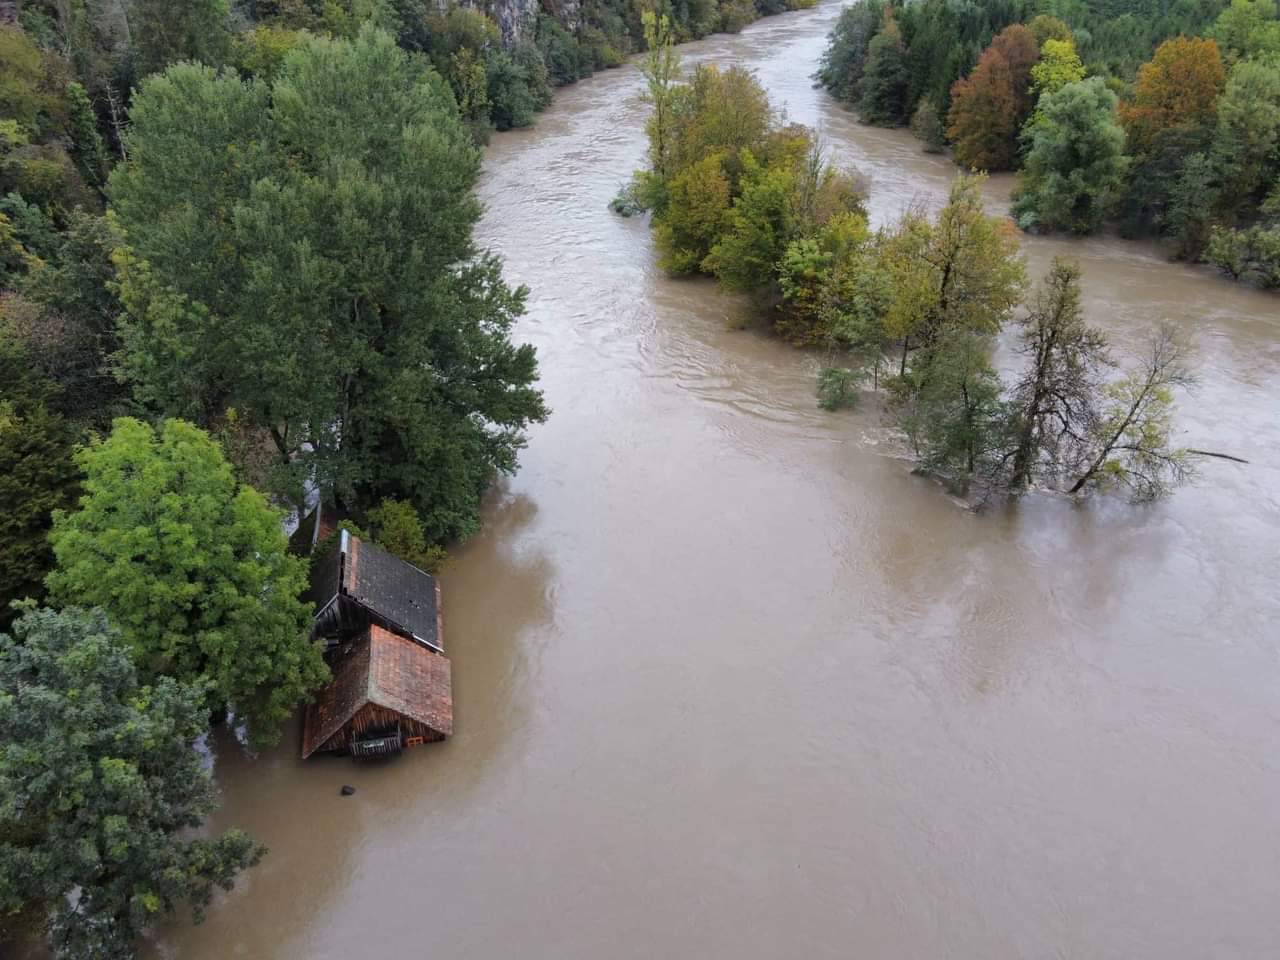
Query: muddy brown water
[731,683]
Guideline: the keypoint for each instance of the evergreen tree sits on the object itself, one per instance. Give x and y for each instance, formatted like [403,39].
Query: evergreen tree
[101,789]
[883,101]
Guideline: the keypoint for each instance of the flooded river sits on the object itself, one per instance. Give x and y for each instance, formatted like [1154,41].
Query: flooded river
[731,683]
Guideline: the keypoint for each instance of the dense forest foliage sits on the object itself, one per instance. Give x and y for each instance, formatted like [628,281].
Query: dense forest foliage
[1158,117]
[913,307]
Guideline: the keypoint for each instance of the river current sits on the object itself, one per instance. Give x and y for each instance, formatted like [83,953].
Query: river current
[731,683]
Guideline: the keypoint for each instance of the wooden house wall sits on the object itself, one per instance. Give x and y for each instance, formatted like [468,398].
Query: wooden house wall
[372,717]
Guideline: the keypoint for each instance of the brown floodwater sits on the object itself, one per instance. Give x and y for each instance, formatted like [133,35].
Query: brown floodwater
[732,683]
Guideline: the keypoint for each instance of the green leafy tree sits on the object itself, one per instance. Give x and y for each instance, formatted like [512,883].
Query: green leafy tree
[1058,66]
[101,789]
[1246,144]
[1248,29]
[961,271]
[324,281]
[165,32]
[885,78]
[844,60]
[194,569]
[949,406]
[927,126]
[37,476]
[695,216]
[397,527]
[661,69]
[69,324]
[1075,163]
[759,227]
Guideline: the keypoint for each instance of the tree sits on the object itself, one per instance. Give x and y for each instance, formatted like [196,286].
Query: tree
[759,227]
[1248,29]
[1246,143]
[1179,87]
[324,281]
[1059,65]
[1055,401]
[165,32]
[396,527]
[961,272]
[102,788]
[695,214]
[989,106]
[1046,28]
[927,126]
[661,69]
[845,58]
[193,568]
[1130,445]
[1251,254]
[37,477]
[1075,163]
[949,405]
[883,100]
[68,325]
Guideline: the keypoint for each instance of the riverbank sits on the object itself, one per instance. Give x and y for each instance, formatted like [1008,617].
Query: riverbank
[729,682]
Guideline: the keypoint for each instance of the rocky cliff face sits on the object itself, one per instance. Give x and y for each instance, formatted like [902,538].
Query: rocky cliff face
[518,18]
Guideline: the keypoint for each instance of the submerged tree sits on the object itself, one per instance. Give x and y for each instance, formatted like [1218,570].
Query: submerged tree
[193,568]
[1055,401]
[101,787]
[949,405]
[961,271]
[1130,443]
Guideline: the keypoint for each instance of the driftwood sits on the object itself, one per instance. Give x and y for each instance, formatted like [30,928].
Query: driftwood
[1220,456]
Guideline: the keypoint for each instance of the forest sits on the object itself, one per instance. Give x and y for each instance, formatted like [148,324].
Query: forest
[1160,119]
[237,278]
[914,308]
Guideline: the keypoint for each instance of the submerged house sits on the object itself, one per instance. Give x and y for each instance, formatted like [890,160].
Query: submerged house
[379,618]
[387,693]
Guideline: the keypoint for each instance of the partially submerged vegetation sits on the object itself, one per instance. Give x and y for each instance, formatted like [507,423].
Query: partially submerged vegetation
[914,307]
[223,293]
[1161,119]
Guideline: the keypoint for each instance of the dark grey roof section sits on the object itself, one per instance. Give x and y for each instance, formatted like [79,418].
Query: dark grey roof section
[354,584]
[395,590]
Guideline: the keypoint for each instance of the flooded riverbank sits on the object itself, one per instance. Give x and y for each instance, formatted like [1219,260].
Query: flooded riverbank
[731,683]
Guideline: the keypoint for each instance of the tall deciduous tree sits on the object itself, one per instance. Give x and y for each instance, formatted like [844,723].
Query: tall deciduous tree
[1059,65]
[194,569]
[324,280]
[962,271]
[1075,164]
[989,106]
[100,786]
[1131,441]
[1055,401]
[1179,87]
